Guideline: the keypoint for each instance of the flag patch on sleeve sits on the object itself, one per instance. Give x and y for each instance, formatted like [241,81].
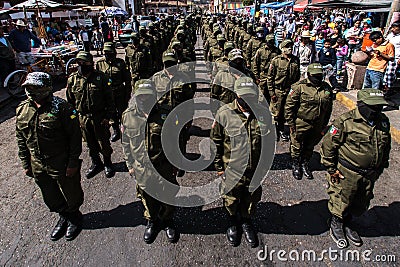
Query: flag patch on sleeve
[333,130]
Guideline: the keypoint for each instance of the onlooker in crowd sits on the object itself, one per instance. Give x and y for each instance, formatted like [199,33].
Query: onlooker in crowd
[304,51]
[354,37]
[105,29]
[380,54]
[341,55]
[97,40]
[84,37]
[20,38]
[327,58]
[7,57]
[279,34]
[390,74]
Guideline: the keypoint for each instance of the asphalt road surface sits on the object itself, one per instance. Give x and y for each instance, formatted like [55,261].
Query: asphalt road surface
[291,217]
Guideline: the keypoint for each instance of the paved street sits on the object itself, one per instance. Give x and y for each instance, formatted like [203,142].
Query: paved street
[291,216]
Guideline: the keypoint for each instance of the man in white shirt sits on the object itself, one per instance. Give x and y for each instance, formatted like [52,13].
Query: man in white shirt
[304,51]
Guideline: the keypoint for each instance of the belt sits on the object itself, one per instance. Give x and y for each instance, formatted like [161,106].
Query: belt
[361,171]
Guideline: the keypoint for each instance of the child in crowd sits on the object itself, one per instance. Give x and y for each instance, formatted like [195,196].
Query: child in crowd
[380,53]
[342,50]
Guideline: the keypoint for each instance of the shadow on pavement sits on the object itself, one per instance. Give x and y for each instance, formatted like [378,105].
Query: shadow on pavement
[283,161]
[305,218]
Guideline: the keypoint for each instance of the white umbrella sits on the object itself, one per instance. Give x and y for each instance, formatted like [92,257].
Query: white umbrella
[35,4]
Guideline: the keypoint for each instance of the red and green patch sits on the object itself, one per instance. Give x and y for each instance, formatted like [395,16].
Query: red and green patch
[333,130]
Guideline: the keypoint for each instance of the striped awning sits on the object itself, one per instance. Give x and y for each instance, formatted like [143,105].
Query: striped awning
[230,6]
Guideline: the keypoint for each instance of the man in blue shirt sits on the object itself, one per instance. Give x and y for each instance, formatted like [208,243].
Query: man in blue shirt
[20,39]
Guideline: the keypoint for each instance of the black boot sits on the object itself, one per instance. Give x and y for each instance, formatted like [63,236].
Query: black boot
[337,233]
[306,170]
[74,225]
[108,167]
[171,232]
[117,132]
[250,234]
[232,234]
[151,231]
[60,228]
[296,169]
[351,234]
[95,168]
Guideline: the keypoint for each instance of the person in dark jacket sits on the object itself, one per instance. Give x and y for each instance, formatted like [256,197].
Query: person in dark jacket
[7,56]
[327,58]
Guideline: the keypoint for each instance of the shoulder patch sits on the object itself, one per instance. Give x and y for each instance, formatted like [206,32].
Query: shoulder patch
[333,130]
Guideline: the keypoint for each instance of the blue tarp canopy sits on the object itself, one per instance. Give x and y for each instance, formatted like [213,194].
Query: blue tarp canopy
[275,5]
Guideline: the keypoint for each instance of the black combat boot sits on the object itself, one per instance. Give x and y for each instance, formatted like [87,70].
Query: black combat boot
[306,170]
[171,232]
[296,169]
[117,132]
[351,234]
[249,233]
[151,231]
[232,234]
[337,233]
[108,167]
[60,228]
[95,168]
[74,225]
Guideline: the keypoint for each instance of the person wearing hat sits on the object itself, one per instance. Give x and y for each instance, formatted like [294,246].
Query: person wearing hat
[217,51]
[262,59]
[283,72]
[304,51]
[239,202]
[7,57]
[221,62]
[50,144]
[144,110]
[245,37]
[121,86]
[355,151]
[172,90]
[211,41]
[307,111]
[158,46]
[89,91]
[223,83]
[20,39]
[253,45]
[139,59]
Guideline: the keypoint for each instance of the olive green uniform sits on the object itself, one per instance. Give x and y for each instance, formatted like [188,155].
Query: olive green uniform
[262,60]
[364,149]
[49,142]
[120,76]
[238,200]
[252,46]
[140,62]
[282,73]
[308,109]
[225,80]
[92,97]
[135,146]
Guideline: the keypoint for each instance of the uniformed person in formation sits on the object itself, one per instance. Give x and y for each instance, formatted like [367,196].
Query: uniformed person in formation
[222,62]
[245,37]
[118,72]
[283,71]
[262,60]
[253,45]
[89,91]
[217,51]
[224,81]
[231,121]
[307,112]
[138,59]
[355,152]
[49,144]
[142,113]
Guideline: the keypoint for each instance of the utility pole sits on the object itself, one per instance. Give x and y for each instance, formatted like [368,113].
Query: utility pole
[394,14]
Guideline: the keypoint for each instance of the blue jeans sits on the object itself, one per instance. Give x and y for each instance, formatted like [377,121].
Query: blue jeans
[373,79]
[339,64]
